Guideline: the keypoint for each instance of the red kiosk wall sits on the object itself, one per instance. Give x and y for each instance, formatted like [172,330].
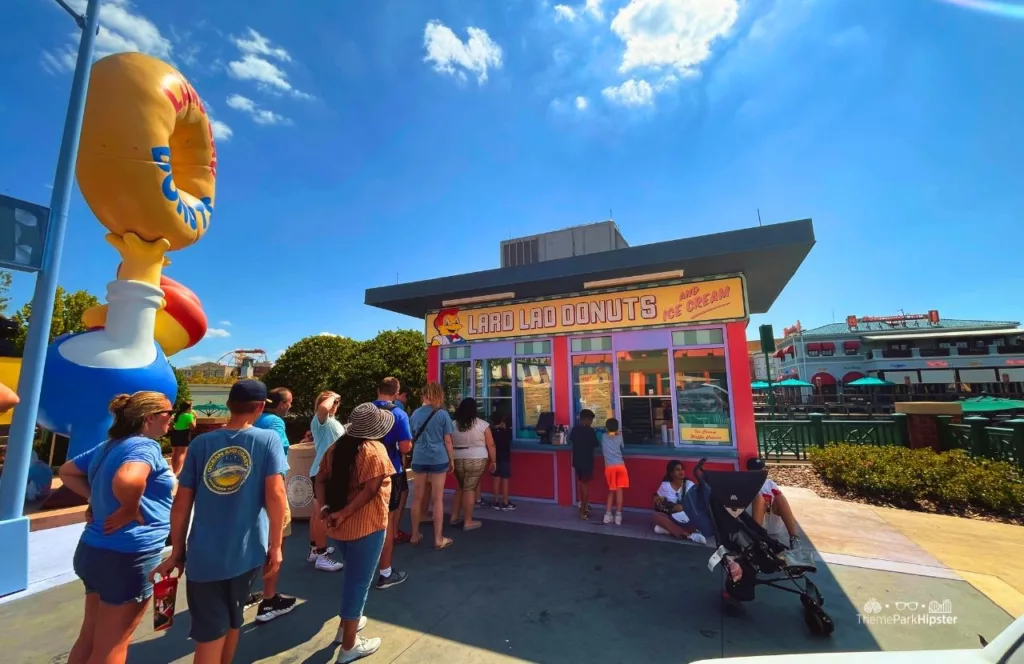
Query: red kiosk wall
[563,380]
[434,364]
[742,395]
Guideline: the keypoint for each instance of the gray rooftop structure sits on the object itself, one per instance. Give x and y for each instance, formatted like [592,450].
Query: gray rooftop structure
[767,255]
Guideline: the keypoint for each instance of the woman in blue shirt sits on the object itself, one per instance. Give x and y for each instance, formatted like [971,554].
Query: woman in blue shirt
[431,460]
[326,430]
[129,486]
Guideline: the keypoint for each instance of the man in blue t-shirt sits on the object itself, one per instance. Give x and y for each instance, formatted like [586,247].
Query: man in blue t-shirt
[233,479]
[279,403]
[398,443]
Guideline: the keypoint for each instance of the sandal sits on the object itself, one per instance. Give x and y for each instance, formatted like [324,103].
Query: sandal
[472,527]
[415,540]
[445,543]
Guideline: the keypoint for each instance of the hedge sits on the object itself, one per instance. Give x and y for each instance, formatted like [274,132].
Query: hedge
[949,481]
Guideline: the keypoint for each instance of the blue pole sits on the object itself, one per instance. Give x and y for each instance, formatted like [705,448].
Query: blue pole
[19,444]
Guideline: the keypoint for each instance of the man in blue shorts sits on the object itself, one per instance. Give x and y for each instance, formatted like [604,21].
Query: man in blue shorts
[233,478]
[398,443]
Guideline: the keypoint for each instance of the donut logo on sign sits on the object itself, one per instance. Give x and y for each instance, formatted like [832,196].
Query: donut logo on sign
[300,491]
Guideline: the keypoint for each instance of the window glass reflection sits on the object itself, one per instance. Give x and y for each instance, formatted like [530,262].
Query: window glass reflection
[533,394]
[702,397]
[493,387]
[592,387]
[645,399]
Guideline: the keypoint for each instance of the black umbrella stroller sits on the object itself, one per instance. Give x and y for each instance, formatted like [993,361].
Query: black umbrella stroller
[717,504]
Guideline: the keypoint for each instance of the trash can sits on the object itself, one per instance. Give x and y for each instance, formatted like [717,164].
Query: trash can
[298,483]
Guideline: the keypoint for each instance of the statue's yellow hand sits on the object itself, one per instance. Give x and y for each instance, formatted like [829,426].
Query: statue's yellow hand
[141,260]
[95,316]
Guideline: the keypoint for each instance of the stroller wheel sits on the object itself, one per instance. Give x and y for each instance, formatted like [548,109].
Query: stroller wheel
[811,591]
[817,620]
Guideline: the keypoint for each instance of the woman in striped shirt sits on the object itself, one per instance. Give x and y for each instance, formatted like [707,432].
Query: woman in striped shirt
[354,487]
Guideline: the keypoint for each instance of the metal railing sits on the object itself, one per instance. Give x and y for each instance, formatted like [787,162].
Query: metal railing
[779,440]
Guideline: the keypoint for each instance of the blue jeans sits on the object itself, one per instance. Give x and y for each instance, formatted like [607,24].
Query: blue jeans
[361,557]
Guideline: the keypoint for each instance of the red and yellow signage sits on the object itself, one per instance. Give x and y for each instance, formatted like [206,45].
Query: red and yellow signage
[714,300]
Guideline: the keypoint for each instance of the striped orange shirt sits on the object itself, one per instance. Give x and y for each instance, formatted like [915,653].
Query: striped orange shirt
[371,462]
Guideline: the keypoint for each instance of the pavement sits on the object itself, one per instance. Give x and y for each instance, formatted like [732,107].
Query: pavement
[982,553]
[525,592]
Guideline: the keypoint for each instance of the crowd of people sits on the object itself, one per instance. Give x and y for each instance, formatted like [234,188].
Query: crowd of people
[221,505]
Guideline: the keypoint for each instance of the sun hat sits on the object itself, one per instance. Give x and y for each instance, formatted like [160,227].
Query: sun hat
[369,422]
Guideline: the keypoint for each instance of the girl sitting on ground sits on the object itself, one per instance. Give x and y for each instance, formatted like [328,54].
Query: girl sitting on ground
[669,517]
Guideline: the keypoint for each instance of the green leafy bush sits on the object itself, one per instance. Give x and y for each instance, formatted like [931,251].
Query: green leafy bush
[951,481]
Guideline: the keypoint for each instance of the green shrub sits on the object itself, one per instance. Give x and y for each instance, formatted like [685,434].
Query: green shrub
[951,481]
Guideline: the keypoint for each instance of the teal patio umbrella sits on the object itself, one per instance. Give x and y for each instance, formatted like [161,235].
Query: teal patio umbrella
[869,381]
[759,385]
[990,404]
[794,382]
[210,408]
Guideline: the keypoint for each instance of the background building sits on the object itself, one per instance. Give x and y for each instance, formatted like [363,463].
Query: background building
[924,355]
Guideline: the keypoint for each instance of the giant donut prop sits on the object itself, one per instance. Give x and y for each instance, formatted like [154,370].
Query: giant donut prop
[147,163]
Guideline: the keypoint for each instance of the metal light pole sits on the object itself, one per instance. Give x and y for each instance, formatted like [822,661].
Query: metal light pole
[14,527]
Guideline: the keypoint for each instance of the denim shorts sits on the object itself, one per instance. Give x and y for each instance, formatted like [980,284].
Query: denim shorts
[430,468]
[362,557]
[118,578]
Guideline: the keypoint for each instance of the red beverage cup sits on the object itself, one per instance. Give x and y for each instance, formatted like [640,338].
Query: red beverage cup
[165,591]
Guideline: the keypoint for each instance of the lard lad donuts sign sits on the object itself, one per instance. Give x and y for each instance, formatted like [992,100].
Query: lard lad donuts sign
[690,303]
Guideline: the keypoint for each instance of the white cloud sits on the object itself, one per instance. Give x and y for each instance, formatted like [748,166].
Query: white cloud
[198,359]
[329,334]
[216,333]
[638,92]
[672,34]
[259,115]
[593,7]
[630,93]
[257,44]
[253,65]
[121,30]
[581,103]
[450,55]
[221,131]
[565,13]
[255,68]
[225,323]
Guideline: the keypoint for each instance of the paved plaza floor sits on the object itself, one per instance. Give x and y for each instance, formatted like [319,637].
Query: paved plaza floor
[520,592]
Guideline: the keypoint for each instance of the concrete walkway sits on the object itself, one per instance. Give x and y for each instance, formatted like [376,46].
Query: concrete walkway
[983,553]
[513,592]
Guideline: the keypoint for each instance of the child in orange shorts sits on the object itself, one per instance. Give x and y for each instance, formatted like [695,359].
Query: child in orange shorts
[614,470]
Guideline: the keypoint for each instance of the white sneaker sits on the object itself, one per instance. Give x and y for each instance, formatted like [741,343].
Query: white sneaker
[618,518]
[658,530]
[363,648]
[698,538]
[359,628]
[325,563]
[313,555]
[607,517]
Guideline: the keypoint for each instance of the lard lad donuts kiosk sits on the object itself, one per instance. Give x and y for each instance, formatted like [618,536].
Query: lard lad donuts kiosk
[654,336]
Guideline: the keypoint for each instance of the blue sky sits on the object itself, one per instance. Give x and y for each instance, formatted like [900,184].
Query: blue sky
[360,143]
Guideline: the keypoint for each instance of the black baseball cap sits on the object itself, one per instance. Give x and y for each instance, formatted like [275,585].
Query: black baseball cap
[248,391]
[755,463]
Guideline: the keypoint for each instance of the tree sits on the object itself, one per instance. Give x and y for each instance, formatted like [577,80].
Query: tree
[5,290]
[307,368]
[67,314]
[351,368]
[184,394]
[398,353]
